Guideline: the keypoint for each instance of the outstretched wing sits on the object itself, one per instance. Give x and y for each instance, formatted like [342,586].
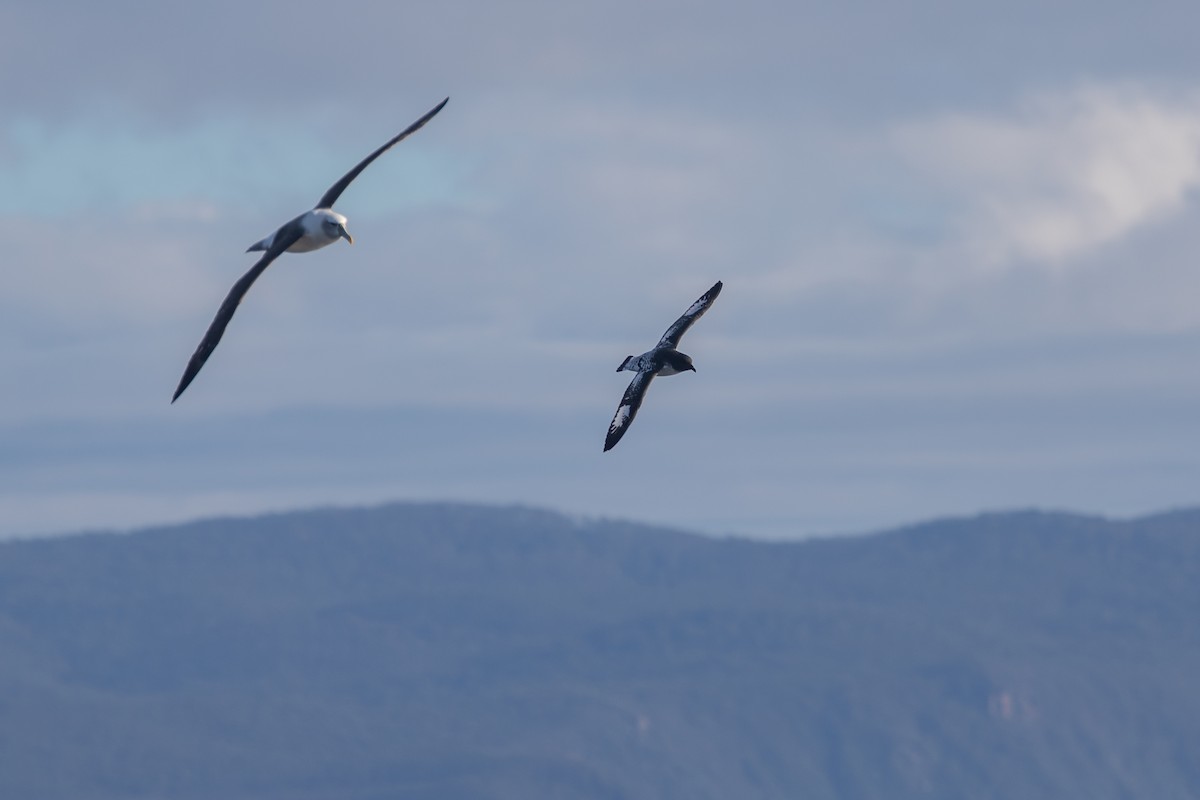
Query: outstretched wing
[679,327]
[335,191]
[284,239]
[628,409]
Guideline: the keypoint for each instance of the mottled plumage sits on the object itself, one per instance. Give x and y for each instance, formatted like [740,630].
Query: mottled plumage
[664,359]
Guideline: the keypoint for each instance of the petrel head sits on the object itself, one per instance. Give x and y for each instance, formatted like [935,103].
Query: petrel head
[677,362]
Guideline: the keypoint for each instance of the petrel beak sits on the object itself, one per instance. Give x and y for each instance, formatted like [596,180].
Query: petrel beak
[345,234]
[692,367]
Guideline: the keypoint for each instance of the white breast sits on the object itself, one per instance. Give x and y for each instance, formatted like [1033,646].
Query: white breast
[315,234]
[308,243]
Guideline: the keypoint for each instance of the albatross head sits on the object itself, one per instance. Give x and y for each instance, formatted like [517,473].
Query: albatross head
[328,225]
[335,228]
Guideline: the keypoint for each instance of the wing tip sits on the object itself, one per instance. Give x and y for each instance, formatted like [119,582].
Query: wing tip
[189,375]
[431,113]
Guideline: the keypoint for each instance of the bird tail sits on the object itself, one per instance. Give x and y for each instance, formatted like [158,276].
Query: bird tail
[625,363]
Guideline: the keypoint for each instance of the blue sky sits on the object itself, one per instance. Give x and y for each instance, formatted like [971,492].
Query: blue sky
[958,246]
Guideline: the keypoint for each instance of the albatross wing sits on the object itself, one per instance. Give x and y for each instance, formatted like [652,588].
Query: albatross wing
[330,197]
[284,238]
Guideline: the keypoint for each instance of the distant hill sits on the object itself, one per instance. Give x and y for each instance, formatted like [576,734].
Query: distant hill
[452,651]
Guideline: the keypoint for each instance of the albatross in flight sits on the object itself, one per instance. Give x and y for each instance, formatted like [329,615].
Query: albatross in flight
[311,230]
[664,359]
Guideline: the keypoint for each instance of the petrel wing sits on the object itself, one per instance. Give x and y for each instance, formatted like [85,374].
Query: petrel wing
[335,191]
[680,326]
[630,403]
[284,238]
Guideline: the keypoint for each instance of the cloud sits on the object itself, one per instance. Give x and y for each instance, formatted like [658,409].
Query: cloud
[1062,175]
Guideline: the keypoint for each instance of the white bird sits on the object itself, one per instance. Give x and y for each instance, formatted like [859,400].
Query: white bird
[664,359]
[312,230]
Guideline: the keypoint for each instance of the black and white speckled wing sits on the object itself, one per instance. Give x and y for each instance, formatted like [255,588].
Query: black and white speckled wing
[330,197]
[680,326]
[630,403]
[283,239]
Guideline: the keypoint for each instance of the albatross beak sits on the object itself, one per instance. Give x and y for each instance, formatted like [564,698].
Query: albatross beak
[345,234]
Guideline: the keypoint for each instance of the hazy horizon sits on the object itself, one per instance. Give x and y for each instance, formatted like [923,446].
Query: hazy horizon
[897,526]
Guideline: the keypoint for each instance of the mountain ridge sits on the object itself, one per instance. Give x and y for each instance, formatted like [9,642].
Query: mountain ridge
[1176,515]
[445,650]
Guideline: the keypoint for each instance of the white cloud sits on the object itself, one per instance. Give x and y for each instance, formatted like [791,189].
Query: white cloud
[1064,174]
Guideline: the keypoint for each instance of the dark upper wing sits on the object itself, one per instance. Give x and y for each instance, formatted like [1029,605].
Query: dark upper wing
[628,409]
[335,191]
[284,239]
[679,327]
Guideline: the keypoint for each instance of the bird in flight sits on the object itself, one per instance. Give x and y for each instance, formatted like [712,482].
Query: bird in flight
[312,230]
[664,359]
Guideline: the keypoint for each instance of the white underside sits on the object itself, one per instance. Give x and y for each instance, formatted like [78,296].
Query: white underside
[304,244]
[309,243]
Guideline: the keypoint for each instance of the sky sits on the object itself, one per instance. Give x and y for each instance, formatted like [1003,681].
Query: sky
[959,244]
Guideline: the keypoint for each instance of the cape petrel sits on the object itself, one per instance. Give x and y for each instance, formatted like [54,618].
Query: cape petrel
[664,359]
[312,230]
